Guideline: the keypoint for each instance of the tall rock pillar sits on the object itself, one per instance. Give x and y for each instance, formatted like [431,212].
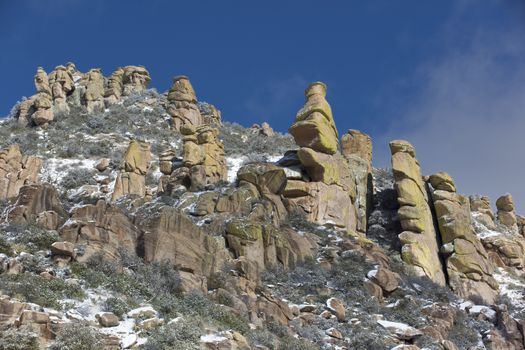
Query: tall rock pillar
[419,238]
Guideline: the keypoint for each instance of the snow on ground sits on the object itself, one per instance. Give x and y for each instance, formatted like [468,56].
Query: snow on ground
[54,169]
[234,163]
[481,230]
[511,287]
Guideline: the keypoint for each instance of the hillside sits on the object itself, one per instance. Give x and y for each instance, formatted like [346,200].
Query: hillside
[132,219]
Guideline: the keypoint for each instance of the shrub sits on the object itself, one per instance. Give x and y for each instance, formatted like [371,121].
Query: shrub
[76,336]
[32,238]
[38,290]
[116,305]
[184,334]
[78,177]
[18,339]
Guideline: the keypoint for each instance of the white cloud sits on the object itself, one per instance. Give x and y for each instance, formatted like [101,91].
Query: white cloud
[469,117]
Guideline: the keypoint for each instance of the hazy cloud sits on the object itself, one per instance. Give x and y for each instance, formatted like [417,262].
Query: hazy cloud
[277,101]
[469,116]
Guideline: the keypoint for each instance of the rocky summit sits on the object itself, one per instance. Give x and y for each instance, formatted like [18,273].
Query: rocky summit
[132,219]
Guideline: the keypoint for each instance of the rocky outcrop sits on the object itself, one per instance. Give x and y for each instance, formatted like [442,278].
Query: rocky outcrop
[480,208]
[182,104]
[419,238]
[100,229]
[38,203]
[506,215]
[16,170]
[203,156]
[467,263]
[314,125]
[356,147]
[115,87]
[135,80]
[131,179]
[62,85]
[93,82]
[321,185]
[42,112]
[67,86]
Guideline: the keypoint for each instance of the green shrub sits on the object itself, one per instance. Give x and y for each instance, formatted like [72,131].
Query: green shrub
[184,335]
[76,336]
[116,305]
[18,339]
[78,177]
[32,238]
[38,290]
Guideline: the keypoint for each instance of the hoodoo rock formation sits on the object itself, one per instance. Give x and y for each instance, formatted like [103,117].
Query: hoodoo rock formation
[182,102]
[66,86]
[314,125]
[320,182]
[419,238]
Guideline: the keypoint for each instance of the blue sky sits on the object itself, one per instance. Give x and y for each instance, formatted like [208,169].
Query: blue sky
[446,75]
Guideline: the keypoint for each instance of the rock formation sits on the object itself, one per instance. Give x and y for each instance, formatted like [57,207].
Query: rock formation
[16,170]
[314,125]
[42,105]
[320,183]
[468,266]
[62,85]
[356,147]
[480,207]
[94,90]
[100,229]
[115,87]
[131,180]
[505,214]
[67,86]
[135,80]
[210,114]
[182,104]
[419,239]
[38,203]
[203,156]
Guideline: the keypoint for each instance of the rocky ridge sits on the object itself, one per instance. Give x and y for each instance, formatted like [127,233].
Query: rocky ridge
[175,242]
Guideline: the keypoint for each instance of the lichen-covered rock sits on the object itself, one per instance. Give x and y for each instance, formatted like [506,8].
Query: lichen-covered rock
[419,244]
[135,80]
[469,268]
[314,125]
[16,170]
[182,102]
[101,229]
[203,155]
[132,177]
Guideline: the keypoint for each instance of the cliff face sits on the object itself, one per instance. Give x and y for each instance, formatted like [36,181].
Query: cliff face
[132,219]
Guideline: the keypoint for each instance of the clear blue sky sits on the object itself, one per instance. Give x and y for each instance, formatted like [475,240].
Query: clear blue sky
[414,69]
